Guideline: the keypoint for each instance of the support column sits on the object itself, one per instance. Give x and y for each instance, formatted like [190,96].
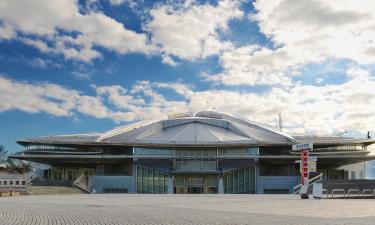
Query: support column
[170,184]
[258,190]
[135,174]
[99,169]
[221,185]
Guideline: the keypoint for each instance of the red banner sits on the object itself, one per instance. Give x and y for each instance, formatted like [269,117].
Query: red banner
[304,165]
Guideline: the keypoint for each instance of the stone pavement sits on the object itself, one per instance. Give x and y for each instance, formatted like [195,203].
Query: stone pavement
[183,209]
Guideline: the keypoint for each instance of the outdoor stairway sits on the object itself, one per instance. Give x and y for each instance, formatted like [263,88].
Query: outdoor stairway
[82,183]
[313,180]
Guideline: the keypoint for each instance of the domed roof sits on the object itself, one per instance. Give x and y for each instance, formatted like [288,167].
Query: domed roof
[206,128]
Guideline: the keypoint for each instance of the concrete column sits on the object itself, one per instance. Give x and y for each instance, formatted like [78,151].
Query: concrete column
[99,169]
[258,186]
[134,180]
[221,186]
[170,184]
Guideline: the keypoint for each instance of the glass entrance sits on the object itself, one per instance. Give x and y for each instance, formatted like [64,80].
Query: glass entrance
[195,184]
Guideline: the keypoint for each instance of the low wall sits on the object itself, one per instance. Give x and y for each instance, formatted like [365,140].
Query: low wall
[113,183]
[40,181]
[276,182]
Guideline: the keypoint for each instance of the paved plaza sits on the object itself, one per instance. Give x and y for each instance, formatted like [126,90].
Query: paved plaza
[183,209]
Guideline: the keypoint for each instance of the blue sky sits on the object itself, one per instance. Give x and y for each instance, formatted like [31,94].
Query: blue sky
[87,66]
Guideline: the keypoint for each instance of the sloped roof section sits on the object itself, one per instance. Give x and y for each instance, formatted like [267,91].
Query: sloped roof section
[205,128]
[56,139]
[332,139]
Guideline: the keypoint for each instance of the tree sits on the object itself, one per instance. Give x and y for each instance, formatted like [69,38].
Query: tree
[3,154]
[13,165]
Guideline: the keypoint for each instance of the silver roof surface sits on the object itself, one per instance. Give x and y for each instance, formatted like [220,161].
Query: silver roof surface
[332,139]
[205,128]
[70,138]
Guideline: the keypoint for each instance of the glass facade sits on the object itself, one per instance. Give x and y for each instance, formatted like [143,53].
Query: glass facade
[196,160]
[240,151]
[196,152]
[241,181]
[48,147]
[195,184]
[152,151]
[195,180]
[151,181]
[195,164]
[344,147]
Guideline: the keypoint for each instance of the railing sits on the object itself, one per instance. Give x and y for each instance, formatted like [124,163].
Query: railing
[81,182]
[339,193]
[340,148]
[313,180]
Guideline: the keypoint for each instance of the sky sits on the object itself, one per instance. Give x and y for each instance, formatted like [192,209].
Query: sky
[69,66]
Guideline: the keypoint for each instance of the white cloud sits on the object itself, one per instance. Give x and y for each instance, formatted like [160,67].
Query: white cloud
[130,3]
[59,27]
[43,63]
[190,30]
[48,98]
[119,96]
[38,63]
[308,108]
[179,88]
[81,76]
[116,2]
[92,106]
[253,65]
[302,32]
[166,59]
[6,32]
[313,109]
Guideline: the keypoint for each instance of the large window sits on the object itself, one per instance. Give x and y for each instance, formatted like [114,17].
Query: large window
[152,151]
[195,164]
[196,159]
[197,180]
[344,147]
[239,151]
[196,153]
[241,181]
[151,181]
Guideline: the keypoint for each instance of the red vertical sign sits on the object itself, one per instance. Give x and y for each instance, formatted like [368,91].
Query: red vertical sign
[304,165]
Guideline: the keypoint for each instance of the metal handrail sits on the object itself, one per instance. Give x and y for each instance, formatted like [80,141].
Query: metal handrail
[355,191]
[338,190]
[78,183]
[311,182]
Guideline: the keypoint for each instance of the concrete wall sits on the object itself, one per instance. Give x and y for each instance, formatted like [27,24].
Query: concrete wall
[279,182]
[101,182]
[355,171]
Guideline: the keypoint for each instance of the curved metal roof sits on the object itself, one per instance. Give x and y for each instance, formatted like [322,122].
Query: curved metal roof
[205,128]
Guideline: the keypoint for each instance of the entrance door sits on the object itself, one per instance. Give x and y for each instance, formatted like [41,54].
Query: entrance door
[195,190]
[195,183]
